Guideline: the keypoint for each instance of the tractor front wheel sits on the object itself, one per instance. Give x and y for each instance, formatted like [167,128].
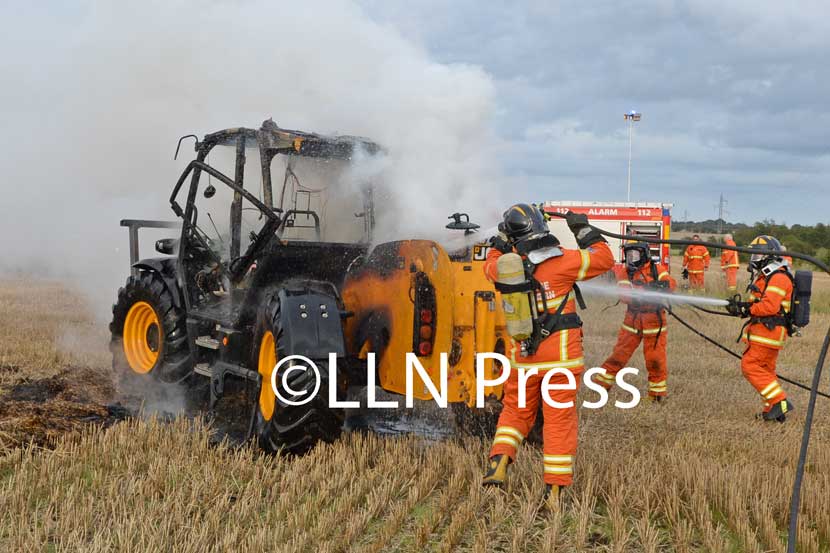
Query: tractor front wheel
[148,334]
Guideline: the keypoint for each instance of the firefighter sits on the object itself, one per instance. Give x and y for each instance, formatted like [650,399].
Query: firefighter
[729,264]
[695,263]
[644,320]
[766,330]
[554,344]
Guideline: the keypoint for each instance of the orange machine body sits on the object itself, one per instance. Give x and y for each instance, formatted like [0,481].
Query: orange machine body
[411,293]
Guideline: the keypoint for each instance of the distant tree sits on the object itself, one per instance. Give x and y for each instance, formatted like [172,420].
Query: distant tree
[810,240]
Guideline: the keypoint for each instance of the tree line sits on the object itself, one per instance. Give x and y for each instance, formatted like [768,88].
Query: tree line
[811,240]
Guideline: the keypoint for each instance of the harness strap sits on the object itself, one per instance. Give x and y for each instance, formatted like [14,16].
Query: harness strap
[543,328]
[525,286]
[654,272]
[548,323]
[770,321]
[580,301]
[562,322]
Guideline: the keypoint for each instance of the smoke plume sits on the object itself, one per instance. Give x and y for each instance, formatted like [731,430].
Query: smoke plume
[95,96]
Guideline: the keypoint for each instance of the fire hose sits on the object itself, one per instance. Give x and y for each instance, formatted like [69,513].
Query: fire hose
[734,354]
[795,499]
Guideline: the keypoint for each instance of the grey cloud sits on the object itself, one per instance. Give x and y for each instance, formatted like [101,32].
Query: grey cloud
[734,94]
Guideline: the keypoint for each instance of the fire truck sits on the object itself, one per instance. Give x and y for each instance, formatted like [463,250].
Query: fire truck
[638,219]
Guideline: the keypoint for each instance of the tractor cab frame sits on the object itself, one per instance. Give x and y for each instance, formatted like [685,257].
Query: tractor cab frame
[222,295]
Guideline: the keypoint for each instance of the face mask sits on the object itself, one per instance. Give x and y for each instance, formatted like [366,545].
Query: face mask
[633,257]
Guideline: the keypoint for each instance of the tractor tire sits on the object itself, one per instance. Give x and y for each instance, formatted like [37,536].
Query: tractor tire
[279,426]
[149,336]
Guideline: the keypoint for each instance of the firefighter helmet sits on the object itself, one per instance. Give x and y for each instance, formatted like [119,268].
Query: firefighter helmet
[764,242]
[636,255]
[523,221]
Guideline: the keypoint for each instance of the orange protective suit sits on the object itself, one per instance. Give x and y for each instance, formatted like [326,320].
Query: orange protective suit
[643,322]
[763,342]
[560,350]
[696,261]
[729,264]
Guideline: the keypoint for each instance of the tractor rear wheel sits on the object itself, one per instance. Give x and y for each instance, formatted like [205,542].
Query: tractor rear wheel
[279,425]
[148,332]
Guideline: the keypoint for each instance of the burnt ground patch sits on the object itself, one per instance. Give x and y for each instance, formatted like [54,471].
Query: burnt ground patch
[40,410]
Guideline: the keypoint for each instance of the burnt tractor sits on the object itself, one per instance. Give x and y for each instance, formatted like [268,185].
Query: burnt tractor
[255,276]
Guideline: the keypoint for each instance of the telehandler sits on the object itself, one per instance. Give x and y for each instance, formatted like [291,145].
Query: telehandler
[299,273]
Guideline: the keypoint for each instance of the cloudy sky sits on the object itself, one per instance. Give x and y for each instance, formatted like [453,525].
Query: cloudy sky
[734,97]
[480,103]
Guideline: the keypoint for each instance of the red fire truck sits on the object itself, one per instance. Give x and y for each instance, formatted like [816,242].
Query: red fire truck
[638,219]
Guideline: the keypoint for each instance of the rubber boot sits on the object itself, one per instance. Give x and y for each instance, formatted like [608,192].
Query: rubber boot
[496,471]
[553,496]
[778,412]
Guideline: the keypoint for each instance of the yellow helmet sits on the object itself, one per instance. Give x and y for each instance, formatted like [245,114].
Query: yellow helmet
[763,242]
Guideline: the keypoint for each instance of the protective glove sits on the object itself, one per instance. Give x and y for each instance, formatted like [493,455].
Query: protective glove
[576,221]
[501,243]
[659,284]
[581,228]
[738,308]
[685,273]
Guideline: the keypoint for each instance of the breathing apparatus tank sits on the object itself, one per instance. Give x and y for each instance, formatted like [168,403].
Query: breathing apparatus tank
[516,293]
[803,285]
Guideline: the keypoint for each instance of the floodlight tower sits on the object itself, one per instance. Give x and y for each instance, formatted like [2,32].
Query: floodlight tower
[632,117]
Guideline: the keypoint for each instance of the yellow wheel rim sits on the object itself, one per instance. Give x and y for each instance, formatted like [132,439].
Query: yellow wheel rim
[142,337]
[265,365]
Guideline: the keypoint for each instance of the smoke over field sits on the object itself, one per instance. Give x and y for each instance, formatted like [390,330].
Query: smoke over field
[95,99]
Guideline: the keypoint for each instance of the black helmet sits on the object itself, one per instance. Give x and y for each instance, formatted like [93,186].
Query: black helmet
[764,242]
[522,221]
[636,255]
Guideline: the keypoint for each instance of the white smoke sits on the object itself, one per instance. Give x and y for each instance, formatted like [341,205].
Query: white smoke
[95,96]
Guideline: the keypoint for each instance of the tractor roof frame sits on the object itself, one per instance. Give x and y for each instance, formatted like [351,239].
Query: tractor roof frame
[271,140]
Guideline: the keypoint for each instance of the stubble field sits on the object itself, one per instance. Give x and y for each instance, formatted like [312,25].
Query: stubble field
[695,474]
